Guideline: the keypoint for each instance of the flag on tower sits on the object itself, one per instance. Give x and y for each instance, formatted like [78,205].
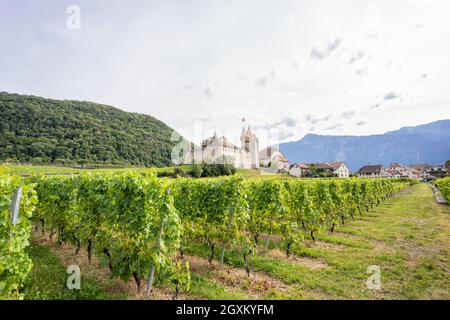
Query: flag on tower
[243,119]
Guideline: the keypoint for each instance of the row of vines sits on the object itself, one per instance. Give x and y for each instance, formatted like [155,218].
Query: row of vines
[139,226]
[14,237]
[444,186]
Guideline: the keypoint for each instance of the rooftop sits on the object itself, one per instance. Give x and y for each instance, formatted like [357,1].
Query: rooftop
[371,169]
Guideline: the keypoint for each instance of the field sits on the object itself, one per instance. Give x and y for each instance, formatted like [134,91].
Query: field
[24,170]
[54,170]
[406,237]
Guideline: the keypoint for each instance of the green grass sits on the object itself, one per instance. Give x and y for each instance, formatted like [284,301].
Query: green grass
[211,290]
[408,237]
[29,170]
[38,170]
[47,280]
[257,174]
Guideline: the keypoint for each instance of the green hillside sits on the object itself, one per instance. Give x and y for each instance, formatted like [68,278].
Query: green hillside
[39,130]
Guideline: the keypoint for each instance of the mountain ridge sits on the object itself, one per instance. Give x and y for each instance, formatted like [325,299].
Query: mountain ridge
[429,143]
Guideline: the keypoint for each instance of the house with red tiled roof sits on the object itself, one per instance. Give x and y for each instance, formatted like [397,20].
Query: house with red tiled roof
[338,169]
[396,169]
[300,170]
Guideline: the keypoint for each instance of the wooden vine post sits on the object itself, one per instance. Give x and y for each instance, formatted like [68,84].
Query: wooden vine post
[230,220]
[15,205]
[158,243]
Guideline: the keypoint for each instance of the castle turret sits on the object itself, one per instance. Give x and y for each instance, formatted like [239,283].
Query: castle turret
[250,143]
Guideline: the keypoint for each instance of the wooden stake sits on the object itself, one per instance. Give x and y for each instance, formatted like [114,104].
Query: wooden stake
[222,254]
[152,268]
[15,205]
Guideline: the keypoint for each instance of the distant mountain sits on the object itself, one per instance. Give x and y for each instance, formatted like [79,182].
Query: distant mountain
[428,143]
[39,130]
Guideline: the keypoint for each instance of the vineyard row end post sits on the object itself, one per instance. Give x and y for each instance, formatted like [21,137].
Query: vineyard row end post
[15,205]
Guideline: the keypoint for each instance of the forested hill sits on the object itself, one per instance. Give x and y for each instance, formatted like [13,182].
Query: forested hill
[39,130]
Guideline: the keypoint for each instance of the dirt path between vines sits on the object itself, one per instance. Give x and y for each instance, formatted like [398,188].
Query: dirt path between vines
[257,285]
[66,254]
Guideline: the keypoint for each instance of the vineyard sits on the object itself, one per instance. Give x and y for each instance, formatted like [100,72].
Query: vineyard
[444,186]
[140,226]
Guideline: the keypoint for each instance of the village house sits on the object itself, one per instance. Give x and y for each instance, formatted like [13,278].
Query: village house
[272,157]
[414,173]
[323,167]
[372,171]
[394,174]
[338,169]
[437,171]
[396,170]
[422,167]
[300,170]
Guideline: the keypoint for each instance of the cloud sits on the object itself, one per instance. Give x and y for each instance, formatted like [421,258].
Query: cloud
[422,77]
[358,56]
[348,114]
[290,122]
[272,74]
[326,118]
[391,96]
[203,119]
[207,92]
[295,65]
[287,121]
[362,72]
[375,106]
[311,119]
[285,135]
[392,65]
[322,54]
[335,126]
[262,82]
[360,123]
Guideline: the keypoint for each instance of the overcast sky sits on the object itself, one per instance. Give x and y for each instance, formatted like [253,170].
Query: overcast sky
[293,67]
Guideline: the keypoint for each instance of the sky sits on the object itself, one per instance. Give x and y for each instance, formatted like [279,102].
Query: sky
[289,67]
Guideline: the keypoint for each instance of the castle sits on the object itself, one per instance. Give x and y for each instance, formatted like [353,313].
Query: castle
[219,150]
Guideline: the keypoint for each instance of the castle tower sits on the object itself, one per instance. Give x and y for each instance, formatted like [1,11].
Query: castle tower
[250,143]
